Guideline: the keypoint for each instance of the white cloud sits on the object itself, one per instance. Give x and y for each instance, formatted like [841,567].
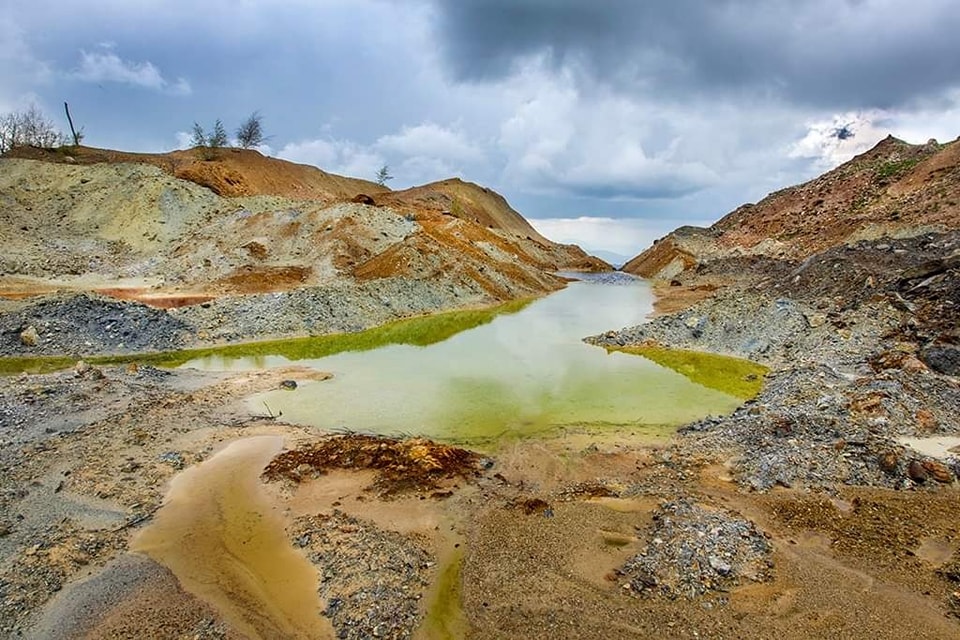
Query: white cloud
[106,66]
[833,141]
[336,156]
[564,140]
[624,237]
[430,140]
[21,70]
[940,121]
[415,155]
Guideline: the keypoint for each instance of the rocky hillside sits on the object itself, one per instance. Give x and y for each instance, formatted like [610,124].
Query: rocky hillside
[243,223]
[894,190]
[234,231]
[848,288]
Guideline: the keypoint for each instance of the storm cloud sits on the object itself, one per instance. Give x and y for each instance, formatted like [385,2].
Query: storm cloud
[836,54]
[612,120]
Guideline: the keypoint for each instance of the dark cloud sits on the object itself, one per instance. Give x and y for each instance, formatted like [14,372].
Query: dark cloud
[825,53]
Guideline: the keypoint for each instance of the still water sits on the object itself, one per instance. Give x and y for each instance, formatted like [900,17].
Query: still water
[520,374]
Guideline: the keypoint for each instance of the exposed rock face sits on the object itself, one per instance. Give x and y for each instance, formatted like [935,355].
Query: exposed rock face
[895,189]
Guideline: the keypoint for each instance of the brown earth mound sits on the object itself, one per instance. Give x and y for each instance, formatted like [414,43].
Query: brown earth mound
[227,172]
[401,465]
[466,201]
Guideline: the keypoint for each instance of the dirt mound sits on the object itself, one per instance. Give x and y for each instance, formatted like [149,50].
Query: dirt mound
[227,172]
[466,201]
[894,190]
[401,465]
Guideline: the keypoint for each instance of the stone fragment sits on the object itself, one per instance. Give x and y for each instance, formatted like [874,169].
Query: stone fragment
[917,472]
[926,422]
[888,461]
[29,336]
[938,471]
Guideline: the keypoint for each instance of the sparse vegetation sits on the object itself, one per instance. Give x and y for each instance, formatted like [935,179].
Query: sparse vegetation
[198,137]
[215,139]
[896,167]
[29,128]
[250,132]
[383,174]
[209,143]
[218,137]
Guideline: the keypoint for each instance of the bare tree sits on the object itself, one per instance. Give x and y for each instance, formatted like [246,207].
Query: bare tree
[250,133]
[77,135]
[28,128]
[383,174]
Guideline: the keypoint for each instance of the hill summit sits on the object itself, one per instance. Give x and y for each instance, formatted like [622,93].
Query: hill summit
[893,190]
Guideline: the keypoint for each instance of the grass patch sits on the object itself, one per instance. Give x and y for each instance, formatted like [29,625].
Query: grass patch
[895,168]
[420,331]
[734,376]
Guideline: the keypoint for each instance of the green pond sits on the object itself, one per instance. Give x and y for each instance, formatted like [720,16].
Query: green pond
[515,372]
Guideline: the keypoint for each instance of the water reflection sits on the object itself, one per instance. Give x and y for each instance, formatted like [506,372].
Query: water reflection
[518,375]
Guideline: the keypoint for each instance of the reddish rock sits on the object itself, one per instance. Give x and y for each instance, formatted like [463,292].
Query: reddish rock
[938,471]
[926,421]
[888,461]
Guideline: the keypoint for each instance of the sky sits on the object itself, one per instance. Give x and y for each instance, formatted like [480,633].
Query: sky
[605,122]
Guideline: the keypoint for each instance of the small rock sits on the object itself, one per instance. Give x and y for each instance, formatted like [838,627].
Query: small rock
[917,472]
[718,565]
[815,320]
[888,461]
[303,471]
[288,385]
[174,459]
[926,421]
[938,471]
[29,336]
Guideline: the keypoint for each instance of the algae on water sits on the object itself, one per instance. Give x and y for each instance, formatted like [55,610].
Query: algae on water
[420,331]
[444,618]
[734,376]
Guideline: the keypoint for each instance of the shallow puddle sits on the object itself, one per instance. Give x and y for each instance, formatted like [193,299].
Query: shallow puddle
[444,619]
[217,532]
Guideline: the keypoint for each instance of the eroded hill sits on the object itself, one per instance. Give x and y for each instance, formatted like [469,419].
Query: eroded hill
[201,226]
[894,190]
